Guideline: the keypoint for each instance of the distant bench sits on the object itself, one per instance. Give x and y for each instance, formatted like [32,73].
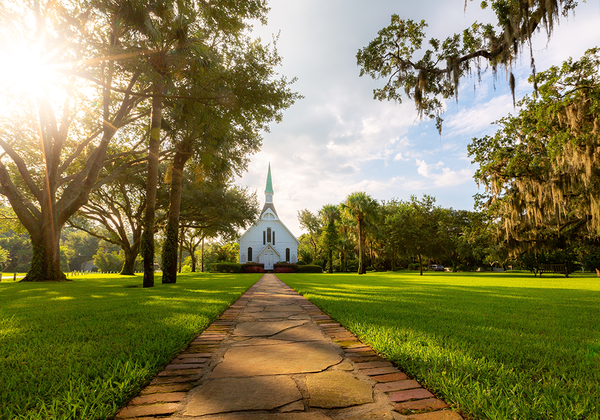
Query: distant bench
[554,268]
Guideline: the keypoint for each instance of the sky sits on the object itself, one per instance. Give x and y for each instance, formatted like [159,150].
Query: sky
[338,139]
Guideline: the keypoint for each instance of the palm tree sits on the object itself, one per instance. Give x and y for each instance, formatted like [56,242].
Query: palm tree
[360,206]
[329,215]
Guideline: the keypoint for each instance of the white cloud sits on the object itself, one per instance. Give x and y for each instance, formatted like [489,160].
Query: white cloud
[447,177]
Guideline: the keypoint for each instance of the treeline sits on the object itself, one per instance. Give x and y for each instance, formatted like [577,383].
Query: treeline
[363,234]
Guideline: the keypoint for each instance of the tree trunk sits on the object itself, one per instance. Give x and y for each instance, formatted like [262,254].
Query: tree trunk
[151,187]
[45,262]
[129,263]
[361,248]
[180,249]
[202,254]
[330,260]
[420,265]
[169,252]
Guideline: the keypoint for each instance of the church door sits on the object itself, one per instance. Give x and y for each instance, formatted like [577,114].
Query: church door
[269,259]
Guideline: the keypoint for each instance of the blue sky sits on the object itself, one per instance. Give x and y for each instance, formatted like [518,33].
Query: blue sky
[338,139]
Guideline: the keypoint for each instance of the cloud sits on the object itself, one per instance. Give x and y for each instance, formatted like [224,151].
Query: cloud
[447,177]
[475,120]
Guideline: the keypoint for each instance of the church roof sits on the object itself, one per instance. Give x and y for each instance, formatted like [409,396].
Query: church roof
[269,188]
[269,206]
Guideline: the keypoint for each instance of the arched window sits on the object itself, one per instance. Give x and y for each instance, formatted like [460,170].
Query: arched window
[273,237]
[269,235]
[249,253]
[287,255]
[264,238]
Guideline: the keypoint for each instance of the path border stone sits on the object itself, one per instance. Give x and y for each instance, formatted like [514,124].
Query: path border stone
[162,397]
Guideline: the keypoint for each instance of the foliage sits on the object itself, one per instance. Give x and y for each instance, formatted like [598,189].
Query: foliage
[108,261]
[83,349]
[252,267]
[312,224]
[19,248]
[283,270]
[310,268]
[398,55]
[493,345]
[226,267]
[4,259]
[541,169]
[330,215]
[362,208]
[290,266]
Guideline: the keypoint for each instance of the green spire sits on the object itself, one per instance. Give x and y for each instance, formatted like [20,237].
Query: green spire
[269,189]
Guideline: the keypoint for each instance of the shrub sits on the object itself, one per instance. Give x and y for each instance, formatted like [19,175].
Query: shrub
[293,267]
[253,268]
[463,267]
[413,266]
[301,262]
[310,269]
[226,267]
[284,270]
[320,263]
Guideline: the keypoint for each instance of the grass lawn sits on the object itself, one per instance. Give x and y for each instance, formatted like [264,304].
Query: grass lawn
[494,345]
[81,349]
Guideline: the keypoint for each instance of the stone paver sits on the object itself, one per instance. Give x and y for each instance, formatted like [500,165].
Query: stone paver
[337,389]
[277,359]
[273,355]
[239,394]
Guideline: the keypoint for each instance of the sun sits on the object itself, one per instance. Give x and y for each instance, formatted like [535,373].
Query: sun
[25,72]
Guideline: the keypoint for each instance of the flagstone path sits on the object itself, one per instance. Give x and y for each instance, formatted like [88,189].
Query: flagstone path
[273,355]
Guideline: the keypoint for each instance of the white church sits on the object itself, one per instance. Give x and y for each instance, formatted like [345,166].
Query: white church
[268,241]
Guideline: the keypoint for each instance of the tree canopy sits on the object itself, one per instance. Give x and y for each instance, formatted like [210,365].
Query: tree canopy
[541,168]
[428,75]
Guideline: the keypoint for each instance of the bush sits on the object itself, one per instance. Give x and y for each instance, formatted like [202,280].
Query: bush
[301,262]
[414,266]
[284,270]
[463,267]
[310,269]
[226,268]
[293,267]
[253,268]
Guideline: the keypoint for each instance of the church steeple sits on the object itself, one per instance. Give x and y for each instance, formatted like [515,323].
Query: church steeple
[269,193]
[269,188]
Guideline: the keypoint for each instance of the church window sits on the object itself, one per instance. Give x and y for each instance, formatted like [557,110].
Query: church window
[249,253]
[273,237]
[269,235]
[287,255]
[264,238]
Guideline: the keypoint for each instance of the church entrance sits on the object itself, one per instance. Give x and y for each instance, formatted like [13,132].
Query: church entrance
[269,259]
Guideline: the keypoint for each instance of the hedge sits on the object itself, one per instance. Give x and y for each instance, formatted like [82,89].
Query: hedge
[226,267]
[253,268]
[284,270]
[310,269]
[292,267]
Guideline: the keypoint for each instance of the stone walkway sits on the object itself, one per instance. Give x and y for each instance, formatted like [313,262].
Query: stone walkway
[273,355]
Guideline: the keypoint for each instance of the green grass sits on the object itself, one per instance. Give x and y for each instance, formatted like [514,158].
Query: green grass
[82,349]
[494,345]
